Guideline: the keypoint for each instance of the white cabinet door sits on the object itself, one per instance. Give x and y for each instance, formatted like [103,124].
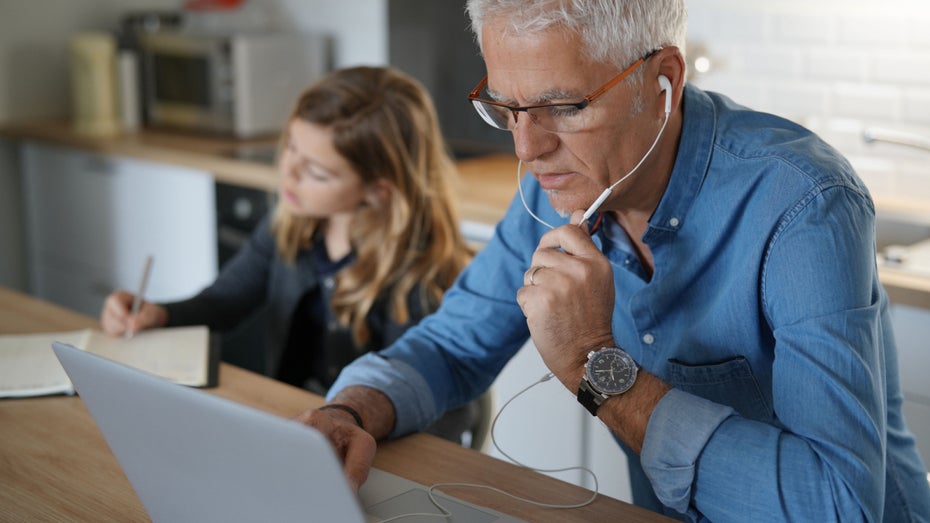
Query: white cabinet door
[542,428]
[546,428]
[66,201]
[912,330]
[92,219]
[607,460]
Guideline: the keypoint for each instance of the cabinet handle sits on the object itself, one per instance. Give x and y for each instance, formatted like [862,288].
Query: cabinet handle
[231,236]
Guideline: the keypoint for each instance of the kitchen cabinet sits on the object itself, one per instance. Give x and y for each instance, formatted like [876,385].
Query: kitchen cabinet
[901,235]
[912,329]
[92,218]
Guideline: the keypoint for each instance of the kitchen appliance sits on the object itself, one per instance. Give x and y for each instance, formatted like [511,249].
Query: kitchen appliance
[241,84]
[238,212]
[133,25]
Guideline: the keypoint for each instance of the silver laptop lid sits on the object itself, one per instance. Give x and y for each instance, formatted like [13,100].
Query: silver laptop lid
[193,456]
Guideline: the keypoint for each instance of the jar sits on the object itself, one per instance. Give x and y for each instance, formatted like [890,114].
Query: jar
[94,93]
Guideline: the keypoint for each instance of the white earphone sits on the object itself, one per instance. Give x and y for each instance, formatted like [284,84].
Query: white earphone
[666,86]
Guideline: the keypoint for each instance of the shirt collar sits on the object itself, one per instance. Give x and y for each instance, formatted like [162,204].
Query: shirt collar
[698,131]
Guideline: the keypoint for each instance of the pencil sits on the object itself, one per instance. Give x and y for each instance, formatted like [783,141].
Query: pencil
[137,299]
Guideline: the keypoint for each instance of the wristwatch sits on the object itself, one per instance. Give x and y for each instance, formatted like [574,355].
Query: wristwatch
[608,372]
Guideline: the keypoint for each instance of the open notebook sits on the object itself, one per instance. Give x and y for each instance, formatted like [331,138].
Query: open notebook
[28,366]
[193,456]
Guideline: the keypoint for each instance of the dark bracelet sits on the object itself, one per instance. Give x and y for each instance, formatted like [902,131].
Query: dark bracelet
[346,408]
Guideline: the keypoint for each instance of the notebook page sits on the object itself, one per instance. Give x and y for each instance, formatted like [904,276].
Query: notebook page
[179,354]
[28,367]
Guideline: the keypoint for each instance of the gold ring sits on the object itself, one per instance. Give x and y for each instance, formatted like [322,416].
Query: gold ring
[533,273]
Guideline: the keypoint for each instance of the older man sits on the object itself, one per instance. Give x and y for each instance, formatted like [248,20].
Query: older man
[725,318]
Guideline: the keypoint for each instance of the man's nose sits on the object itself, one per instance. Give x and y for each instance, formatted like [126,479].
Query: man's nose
[530,141]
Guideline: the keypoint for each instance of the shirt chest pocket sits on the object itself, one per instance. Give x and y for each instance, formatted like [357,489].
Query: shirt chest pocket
[729,382]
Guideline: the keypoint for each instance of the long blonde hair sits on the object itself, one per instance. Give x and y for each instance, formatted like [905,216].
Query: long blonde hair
[384,124]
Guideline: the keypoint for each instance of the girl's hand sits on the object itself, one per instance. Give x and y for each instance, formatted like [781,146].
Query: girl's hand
[116,317]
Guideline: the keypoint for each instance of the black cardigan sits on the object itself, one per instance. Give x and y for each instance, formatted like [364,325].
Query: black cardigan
[256,277]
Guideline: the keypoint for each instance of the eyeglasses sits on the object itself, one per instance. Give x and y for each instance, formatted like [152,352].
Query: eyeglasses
[556,118]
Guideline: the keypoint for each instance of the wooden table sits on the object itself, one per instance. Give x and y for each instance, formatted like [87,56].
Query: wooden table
[56,466]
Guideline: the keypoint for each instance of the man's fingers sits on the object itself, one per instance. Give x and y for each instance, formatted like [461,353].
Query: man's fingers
[354,446]
[570,239]
[576,220]
[358,459]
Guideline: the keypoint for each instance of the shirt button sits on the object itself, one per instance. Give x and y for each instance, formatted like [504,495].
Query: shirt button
[674,222]
[329,282]
[648,339]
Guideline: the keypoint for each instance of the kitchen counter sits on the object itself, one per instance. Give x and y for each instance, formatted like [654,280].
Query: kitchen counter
[486,185]
[188,150]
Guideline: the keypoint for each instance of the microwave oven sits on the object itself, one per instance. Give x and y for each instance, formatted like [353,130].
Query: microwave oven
[243,85]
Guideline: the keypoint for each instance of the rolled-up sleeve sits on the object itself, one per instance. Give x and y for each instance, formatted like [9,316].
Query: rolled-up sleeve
[401,383]
[668,459]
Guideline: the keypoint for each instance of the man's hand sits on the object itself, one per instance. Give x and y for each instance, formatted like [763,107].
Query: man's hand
[568,300]
[355,445]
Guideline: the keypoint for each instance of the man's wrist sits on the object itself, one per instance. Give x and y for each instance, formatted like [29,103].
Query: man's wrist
[609,372]
[345,408]
[374,407]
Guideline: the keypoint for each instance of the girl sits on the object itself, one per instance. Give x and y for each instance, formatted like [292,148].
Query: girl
[362,244]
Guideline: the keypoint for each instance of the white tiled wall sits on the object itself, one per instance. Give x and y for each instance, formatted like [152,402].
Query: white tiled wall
[837,66]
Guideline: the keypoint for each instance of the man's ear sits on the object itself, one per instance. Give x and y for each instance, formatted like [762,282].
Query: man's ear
[670,64]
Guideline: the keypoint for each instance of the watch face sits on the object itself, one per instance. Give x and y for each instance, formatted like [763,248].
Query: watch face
[611,371]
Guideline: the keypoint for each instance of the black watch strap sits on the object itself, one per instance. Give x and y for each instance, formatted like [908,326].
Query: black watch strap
[588,397]
[345,408]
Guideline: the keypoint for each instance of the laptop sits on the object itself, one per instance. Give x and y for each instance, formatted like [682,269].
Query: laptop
[193,456]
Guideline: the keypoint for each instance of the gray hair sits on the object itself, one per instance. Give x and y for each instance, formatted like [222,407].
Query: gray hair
[612,31]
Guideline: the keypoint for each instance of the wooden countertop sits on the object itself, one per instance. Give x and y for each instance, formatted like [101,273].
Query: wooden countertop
[486,186]
[188,150]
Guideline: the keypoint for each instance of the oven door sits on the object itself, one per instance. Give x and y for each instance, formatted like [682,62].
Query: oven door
[238,211]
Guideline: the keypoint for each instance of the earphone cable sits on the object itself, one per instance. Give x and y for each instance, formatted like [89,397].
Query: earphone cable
[446,513]
[597,203]
[523,198]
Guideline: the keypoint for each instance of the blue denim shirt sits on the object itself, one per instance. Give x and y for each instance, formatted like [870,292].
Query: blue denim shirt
[764,312]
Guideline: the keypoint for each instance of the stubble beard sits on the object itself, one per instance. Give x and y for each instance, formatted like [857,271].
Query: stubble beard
[553,201]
